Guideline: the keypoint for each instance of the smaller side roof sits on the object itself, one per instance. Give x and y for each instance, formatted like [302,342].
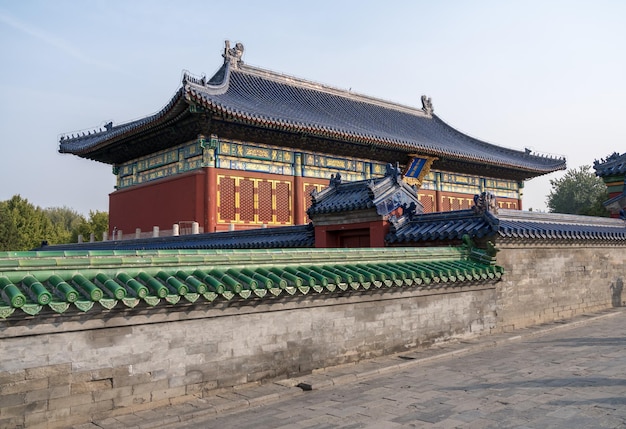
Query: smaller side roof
[613,165]
[384,194]
[504,224]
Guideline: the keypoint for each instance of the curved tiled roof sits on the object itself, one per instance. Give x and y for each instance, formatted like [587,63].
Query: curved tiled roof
[350,197]
[264,99]
[385,194]
[84,144]
[506,224]
[298,236]
[442,226]
[79,281]
[552,226]
[614,165]
[257,97]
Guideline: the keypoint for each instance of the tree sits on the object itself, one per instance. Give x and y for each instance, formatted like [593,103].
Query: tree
[97,224]
[65,220]
[24,226]
[579,192]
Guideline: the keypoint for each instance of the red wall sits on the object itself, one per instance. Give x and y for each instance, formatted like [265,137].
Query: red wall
[160,203]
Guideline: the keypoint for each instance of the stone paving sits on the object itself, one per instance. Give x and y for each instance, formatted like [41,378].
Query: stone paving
[562,375]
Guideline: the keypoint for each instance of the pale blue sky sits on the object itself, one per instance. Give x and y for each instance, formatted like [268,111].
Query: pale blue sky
[548,75]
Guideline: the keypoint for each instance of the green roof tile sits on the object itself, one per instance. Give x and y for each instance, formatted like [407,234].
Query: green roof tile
[8,263]
[33,282]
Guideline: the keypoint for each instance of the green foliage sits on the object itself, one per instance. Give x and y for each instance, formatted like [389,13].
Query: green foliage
[97,224]
[579,192]
[24,226]
[65,220]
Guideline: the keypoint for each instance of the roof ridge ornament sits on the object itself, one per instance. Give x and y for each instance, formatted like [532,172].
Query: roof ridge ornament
[393,171]
[335,180]
[485,202]
[427,105]
[233,56]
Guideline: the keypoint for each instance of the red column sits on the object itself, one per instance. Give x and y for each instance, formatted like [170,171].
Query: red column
[298,200]
[210,195]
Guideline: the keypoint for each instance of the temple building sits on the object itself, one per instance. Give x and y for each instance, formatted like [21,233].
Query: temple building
[248,147]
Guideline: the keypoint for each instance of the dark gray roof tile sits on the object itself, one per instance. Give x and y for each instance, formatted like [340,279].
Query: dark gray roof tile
[506,224]
[270,100]
[299,236]
[614,165]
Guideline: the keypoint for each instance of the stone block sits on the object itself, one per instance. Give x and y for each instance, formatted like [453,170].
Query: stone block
[133,400]
[8,377]
[23,386]
[127,358]
[91,386]
[139,389]
[197,349]
[194,389]
[49,393]
[92,408]
[102,373]
[69,421]
[33,419]
[208,387]
[172,392]
[12,400]
[131,380]
[11,422]
[48,371]
[232,379]
[72,400]
[114,393]
[59,380]
[192,377]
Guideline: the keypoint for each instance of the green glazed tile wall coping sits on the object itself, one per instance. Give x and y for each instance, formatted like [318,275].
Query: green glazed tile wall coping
[60,281]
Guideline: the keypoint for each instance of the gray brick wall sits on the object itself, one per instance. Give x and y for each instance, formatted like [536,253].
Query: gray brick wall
[71,372]
[56,371]
[555,282]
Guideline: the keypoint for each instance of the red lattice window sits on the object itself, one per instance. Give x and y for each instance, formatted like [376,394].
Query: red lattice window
[456,204]
[446,205]
[227,198]
[307,194]
[427,202]
[246,200]
[264,191]
[283,208]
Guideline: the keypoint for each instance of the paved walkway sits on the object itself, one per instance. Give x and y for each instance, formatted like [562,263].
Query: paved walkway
[561,375]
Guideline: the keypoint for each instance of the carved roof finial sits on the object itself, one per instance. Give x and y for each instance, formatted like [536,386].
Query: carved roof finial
[392,171]
[335,180]
[427,105]
[233,55]
[485,202]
